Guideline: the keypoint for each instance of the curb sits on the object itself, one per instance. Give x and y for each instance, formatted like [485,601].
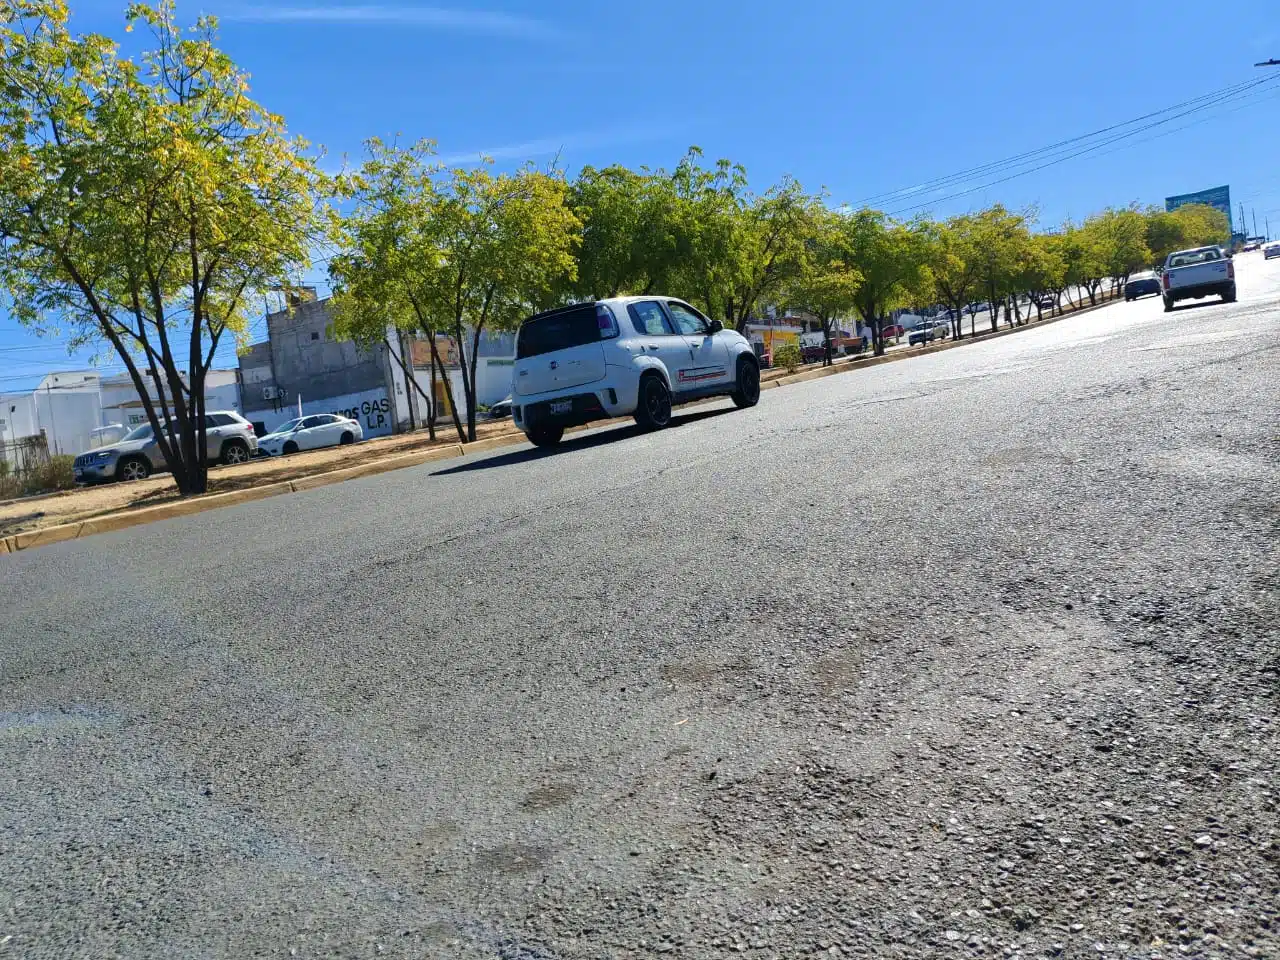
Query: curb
[184,508]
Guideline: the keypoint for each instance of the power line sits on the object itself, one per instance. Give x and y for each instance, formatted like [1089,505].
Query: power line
[1062,158]
[1031,156]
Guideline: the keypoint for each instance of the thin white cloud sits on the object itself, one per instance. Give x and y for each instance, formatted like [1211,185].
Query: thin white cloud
[549,146]
[437,18]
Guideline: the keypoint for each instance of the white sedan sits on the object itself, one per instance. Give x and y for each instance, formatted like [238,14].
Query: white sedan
[311,433]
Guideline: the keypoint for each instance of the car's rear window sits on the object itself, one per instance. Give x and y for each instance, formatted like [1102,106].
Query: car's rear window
[1194,256]
[563,329]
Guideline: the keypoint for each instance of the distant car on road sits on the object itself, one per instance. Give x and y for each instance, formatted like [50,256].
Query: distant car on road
[1271,250]
[1143,284]
[625,356]
[311,433]
[892,332]
[1196,274]
[228,436]
[500,410]
[929,332]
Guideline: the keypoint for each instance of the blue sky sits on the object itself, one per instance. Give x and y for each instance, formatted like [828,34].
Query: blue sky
[855,98]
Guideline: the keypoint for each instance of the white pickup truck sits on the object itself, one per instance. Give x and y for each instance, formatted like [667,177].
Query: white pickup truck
[1198,273]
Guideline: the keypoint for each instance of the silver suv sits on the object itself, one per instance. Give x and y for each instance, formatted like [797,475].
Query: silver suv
[229,438]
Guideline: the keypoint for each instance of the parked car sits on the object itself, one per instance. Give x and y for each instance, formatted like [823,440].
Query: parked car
[814,353]
[625,356]
[500,410]
[1142,285]
[228,436]
[928,332]
[1271,250]
[311,433]
[1202,272]
[892,332]
[1047,301]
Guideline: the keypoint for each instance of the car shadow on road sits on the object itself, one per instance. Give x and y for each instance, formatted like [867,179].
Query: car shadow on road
[571,444]
[1201,304]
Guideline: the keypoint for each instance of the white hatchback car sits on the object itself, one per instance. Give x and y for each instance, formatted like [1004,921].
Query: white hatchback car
[310,433]
[626,356]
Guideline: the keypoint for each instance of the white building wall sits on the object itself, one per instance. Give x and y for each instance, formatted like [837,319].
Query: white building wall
[72,407]
[372,408]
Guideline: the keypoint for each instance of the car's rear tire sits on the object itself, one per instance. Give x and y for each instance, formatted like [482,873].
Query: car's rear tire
[133,468]
[233,452]
[747,392]
[347,437]
[1230,295]
[289,448]
[654,410]
[546,437]
[1168,305]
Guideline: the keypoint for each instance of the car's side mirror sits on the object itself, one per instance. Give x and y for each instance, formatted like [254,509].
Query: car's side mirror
[716,326]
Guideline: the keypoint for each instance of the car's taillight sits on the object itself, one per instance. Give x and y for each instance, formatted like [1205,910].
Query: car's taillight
[1231,270]
[1166,281]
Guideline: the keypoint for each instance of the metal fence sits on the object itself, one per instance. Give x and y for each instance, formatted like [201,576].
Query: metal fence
[25,454]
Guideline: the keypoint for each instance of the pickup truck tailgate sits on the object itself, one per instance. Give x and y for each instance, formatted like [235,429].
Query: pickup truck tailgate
[1198,274]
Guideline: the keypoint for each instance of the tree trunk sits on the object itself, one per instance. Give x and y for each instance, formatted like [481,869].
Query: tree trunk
[826,330]
[473,392]
[994,306]
[413,382]
[437,363]
[433,406]
[201,432]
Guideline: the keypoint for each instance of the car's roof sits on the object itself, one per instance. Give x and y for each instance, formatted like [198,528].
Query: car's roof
[607,301]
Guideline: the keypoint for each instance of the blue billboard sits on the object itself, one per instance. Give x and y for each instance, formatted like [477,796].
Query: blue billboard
[1219,198]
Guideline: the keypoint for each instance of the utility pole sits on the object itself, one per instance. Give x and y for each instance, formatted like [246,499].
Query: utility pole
[1254,211]
[1244,224]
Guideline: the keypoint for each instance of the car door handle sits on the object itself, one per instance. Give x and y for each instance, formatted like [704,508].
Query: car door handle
[653,348]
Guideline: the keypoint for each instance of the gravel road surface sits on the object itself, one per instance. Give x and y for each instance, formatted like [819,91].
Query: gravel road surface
[973,654]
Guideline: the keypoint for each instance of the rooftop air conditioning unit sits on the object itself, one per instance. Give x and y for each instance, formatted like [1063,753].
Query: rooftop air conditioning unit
[272,393]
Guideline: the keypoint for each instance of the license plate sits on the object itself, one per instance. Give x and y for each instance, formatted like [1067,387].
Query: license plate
[562,406]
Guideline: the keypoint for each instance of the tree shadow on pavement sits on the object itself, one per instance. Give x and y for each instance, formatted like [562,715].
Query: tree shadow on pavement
[572,444]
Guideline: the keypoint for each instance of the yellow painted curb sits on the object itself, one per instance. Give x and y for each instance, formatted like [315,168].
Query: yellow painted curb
[489,443]
[182,508]
[41,538]
[4,545]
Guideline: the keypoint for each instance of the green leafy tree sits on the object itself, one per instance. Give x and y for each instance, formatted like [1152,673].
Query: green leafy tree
[144,204]
[1193,225]
[1042,269]
[1120,239]
[631,233]
[1001,243]
[387,269]
[735,248]
[462,251]
[893,259]
[955,264]
[504,244]
[828,281]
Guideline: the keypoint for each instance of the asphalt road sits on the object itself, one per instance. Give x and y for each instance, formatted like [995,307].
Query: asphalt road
[973,654]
